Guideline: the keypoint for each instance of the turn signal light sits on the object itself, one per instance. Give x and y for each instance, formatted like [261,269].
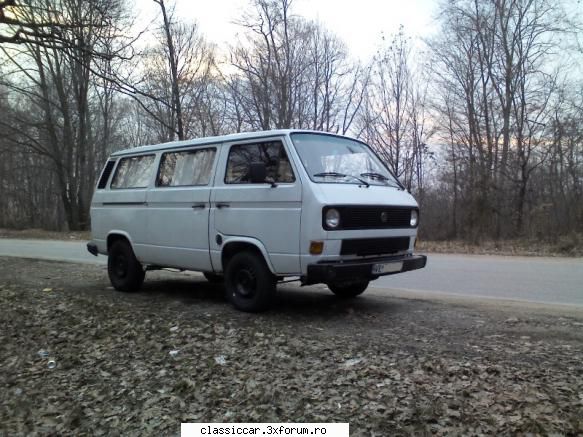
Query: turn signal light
[316,247]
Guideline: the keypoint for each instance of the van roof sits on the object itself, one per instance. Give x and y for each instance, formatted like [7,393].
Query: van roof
[214,140]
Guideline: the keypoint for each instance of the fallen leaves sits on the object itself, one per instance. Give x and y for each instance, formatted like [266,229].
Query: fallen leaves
[143,363]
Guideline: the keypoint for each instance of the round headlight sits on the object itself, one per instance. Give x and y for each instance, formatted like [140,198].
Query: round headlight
[414,218]
[332,218]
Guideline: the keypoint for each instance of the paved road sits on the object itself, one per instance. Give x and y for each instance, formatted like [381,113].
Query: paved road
[533,279]
[543,280]
[73,251]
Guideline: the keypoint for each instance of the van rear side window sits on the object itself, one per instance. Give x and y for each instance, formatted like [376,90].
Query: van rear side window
[192,167]
[105,175]
[134,172]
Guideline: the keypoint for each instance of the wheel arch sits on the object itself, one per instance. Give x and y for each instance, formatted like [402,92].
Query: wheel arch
[236,245]
[115,235]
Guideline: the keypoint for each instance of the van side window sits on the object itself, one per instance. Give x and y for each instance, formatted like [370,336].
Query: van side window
[105,175]
[134,172]
[271,153]
[192,167]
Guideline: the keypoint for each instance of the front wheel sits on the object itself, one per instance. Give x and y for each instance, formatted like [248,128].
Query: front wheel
[348,289]
[125,271]
[249,284]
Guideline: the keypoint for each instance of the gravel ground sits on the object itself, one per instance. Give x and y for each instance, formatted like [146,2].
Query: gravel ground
[139,364]
[41,234]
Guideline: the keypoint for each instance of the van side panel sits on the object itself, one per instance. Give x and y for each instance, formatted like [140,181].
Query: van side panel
[178,227]
[271,215]
[123,210]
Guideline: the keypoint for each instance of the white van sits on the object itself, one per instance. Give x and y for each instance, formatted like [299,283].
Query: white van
[252,209]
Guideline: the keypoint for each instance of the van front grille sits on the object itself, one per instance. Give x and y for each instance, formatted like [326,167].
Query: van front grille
[374,246]
[373,217]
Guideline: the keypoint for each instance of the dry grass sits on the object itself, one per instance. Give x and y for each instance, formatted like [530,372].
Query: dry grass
[41,234]
[569,246]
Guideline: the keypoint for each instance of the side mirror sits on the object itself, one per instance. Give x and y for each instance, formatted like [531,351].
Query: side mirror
[257,172]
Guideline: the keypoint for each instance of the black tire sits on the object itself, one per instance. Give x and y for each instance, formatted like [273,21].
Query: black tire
[348,289]
[125,271]
[249,284]
[213,278]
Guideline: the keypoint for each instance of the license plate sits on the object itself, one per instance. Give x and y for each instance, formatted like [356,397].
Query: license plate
[379,269]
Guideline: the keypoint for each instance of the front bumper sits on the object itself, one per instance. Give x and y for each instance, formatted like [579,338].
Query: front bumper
[354,270]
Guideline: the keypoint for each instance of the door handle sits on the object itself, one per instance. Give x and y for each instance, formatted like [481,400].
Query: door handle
[199,206]
[222,205]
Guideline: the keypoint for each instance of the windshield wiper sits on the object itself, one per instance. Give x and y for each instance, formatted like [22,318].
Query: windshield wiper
[381,177]
[342,175]
[375,176]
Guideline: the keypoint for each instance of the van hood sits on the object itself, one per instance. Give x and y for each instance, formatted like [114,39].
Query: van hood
[352,194]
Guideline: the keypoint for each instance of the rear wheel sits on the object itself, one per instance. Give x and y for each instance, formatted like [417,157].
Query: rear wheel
[125,271]
[249,284]
[348,289]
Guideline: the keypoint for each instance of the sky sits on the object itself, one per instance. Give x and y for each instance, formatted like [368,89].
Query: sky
[359,23]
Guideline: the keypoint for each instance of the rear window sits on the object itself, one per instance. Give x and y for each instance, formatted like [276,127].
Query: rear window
[105,175]
[187,168]
[134,172]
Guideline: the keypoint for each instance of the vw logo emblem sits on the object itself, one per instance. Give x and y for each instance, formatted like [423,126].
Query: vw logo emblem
[384,216]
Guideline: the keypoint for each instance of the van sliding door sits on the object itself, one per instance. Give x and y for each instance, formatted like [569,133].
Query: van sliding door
[178,209]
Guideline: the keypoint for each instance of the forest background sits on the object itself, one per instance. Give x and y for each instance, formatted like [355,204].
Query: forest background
[482,121]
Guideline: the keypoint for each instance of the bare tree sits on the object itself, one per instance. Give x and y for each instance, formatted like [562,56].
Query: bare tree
[56,83]
[292,73]
[495,89]
[55,24]
[176,104]
[172,77]
[394,120]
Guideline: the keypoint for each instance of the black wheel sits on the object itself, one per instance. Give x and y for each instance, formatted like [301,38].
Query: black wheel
[249,284]
[125,271]
[348,289]
[213,278]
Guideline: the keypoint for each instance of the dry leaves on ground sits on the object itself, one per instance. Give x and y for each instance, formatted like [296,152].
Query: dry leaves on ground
[177,352]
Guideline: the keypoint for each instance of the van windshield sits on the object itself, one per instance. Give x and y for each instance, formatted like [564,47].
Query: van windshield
[330,159]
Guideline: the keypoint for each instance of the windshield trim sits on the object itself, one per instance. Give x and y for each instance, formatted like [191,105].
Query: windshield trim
[371,150]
